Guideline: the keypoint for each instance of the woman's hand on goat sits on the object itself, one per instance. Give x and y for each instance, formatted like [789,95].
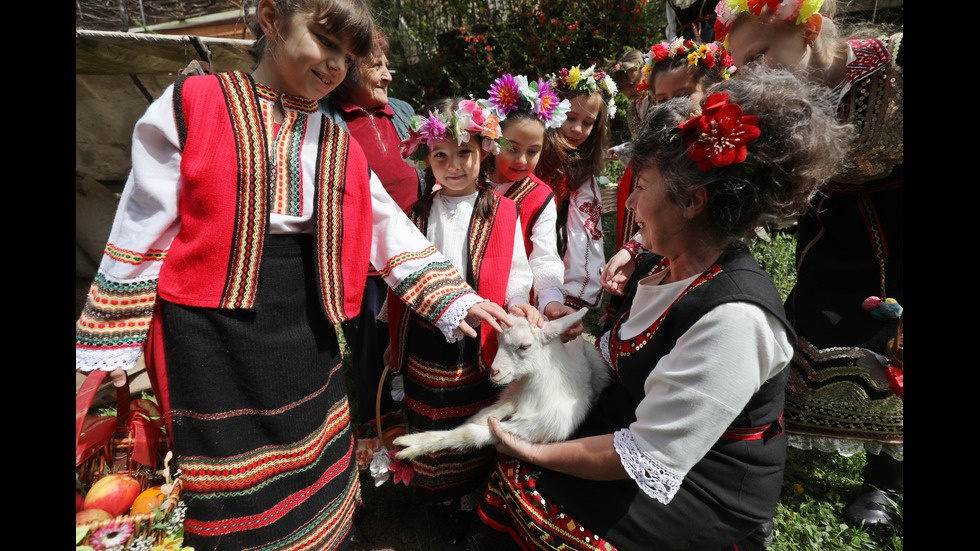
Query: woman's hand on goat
[487,311]
[510,444]
[617,272]
[592,458]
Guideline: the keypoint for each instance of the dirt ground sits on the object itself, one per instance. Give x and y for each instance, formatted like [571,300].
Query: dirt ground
[393,518]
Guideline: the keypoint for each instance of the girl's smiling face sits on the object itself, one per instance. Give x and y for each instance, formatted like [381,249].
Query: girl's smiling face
[455,166]
[581,118]
[526,137]
[302,59]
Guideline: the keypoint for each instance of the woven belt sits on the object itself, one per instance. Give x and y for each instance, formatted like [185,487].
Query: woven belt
[761,432]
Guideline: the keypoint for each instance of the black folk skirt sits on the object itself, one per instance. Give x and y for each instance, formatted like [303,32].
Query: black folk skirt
[260,415]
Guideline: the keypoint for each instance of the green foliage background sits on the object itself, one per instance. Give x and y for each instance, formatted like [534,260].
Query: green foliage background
[458,47]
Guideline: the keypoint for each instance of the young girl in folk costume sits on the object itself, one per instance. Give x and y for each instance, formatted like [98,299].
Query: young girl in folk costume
[526,111]
[244,232]
[573,158]
[844,392]
[480,233]
[671,69]
[627,73]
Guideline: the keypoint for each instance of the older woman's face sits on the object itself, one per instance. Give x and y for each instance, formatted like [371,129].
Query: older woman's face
[375,78]
[660,219]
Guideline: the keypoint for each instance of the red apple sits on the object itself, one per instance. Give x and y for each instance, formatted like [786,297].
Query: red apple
[91,515]
[79,501]
[114,494]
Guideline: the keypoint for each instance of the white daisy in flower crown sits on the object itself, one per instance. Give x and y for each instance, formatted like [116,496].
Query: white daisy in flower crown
[589,80]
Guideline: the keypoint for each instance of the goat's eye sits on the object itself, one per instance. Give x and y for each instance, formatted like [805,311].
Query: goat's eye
[524,347]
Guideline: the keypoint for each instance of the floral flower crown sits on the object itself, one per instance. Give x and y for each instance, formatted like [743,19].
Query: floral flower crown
[509,94]
[717,135]
[707,55]
[469,119]
[797,11]
[590,81]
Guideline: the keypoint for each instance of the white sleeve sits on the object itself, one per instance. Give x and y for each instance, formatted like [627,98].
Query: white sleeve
[584,255]
[415,270]
[519,281]
[546,265]
[697,390]
[115,321]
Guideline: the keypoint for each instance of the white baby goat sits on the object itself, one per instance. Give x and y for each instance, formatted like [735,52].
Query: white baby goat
[550,387]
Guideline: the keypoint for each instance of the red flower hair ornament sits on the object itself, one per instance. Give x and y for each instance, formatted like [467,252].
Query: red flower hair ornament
[717,136]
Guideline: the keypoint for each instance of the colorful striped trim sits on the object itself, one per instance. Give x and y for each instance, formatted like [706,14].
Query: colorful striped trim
[116,314]
[448,469]
[440,376]
[480,230]
[432,290]
[331,182]
[208,478]
[625,348]
[328,528]
[461,412]
[400,259]
[251,218]
[513,504]
[341,509]
[287,143]
[519,191]
[133,257]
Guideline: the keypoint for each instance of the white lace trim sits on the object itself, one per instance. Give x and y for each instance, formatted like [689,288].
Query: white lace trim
[604,347]
[87,359]
[655,479]
[845,446]
[448,323]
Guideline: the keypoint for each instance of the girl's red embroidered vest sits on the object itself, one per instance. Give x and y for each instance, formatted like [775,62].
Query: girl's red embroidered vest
[224,201]
[491,252]
[532,195]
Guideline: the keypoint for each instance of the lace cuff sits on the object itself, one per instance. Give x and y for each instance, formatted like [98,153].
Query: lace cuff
[656,480]
[448,322]
[604,347]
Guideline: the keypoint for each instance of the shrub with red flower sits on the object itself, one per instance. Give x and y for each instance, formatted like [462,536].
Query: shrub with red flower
[719,135]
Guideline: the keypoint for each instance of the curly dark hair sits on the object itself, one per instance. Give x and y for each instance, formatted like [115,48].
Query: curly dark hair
[800,148]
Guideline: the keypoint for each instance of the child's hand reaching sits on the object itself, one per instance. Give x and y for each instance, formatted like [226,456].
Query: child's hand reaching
[533,315]
[487,311]
[555,310]
[617,272]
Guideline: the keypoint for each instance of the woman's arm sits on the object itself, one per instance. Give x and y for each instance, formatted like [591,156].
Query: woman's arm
[592,458]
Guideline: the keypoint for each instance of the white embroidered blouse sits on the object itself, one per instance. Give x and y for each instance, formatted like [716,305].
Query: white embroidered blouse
[449,231]
[584,255]
[697,390]
[148,219]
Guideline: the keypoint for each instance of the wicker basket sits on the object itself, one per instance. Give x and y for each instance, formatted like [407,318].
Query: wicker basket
[130,443]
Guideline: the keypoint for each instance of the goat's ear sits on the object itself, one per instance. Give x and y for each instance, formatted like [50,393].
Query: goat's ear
[558,326]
